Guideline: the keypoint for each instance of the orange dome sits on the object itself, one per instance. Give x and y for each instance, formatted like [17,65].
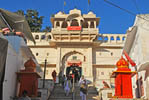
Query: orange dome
[122,63]
[30,63]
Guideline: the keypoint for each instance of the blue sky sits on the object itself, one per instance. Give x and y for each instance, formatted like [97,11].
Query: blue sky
[113,20]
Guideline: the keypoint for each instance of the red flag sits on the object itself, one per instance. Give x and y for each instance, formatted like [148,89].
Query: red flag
[72,75]
[129,59]
[64,3]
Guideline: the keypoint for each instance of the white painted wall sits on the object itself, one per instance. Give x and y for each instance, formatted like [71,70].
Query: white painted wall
[105,56]
[14,62]
[139,50]
[9,85]
[42,54]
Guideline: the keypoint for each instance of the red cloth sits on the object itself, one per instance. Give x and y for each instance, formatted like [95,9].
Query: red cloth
[54,79]
[72,75]
[54,75]
[129,59]
[5,29]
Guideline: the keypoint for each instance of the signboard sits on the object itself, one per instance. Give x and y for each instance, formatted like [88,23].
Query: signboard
[74,63]
[74,28]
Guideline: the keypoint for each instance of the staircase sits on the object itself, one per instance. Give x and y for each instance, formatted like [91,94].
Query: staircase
[92,93]
[59,94]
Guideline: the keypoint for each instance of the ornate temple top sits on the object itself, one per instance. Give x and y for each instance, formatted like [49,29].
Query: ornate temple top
[74,26]
[122,63]
[30,63]
[122,67]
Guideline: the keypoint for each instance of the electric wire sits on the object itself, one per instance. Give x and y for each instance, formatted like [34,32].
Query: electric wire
[135,3]
[124,9]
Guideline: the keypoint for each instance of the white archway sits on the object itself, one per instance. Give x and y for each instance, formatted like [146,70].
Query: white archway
[69,56]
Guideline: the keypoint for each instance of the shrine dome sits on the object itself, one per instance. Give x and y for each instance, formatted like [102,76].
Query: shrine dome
[60,13]
[30,63]
[91,13]
[122,63]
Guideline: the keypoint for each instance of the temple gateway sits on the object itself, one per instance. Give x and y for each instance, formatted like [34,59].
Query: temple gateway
[75,42]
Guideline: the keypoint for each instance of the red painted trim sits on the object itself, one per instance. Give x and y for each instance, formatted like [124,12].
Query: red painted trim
[74,63]
[74,28]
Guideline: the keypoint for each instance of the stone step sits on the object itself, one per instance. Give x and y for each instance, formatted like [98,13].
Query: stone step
[64,97]
[77,94]
[89,92]
[60,99]
[58,93]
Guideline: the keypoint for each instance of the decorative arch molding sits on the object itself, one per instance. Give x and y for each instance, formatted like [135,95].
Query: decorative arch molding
[71,53]
[67,55]
[74,22]
[118,38]
[85,24]
[74,16]
[64,24]
[36,37]
[92,25]
[57,24]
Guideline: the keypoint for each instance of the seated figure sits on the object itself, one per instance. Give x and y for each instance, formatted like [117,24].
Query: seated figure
[6,31]
[19,34]
[24,96]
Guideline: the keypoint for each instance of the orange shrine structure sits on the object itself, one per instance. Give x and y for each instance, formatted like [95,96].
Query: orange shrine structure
[123,83]
[28,79]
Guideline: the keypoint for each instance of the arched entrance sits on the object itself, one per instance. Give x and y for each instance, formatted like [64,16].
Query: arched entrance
[71,62]
[74,69]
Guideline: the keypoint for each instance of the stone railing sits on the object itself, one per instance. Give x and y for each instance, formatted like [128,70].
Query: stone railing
[112,38]
[64,30]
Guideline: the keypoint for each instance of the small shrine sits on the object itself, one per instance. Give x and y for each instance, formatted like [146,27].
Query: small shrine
[123,83]
[28,79]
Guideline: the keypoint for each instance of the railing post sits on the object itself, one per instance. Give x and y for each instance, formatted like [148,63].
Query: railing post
[43,85]
[73,87]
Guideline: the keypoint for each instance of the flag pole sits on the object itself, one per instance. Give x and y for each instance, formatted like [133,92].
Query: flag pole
[88,8]
[88,5]
[63,5]
[5,21]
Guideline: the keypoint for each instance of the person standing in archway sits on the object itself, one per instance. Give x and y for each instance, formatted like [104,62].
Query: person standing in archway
[76,76]
[60,76]
[54,76]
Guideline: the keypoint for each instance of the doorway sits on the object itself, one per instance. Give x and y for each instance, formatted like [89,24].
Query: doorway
[75,70]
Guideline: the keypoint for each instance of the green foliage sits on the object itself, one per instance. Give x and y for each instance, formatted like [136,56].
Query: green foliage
[52,15]
[34,20]
[20,12]
[47,29]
